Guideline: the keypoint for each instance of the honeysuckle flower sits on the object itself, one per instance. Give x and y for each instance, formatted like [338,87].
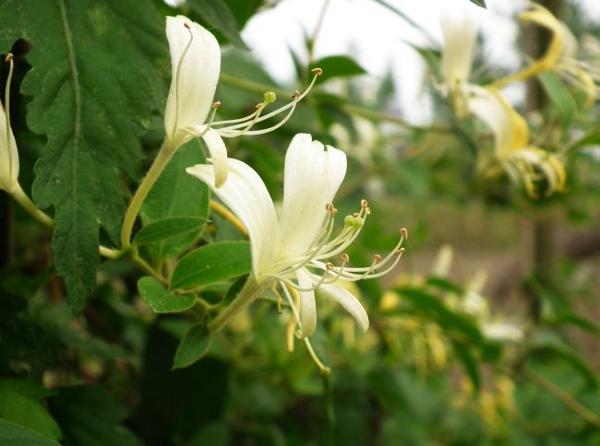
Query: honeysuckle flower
[459,30]
[563,55]
[190,110]
[522,162]
[290,249]
[9,155]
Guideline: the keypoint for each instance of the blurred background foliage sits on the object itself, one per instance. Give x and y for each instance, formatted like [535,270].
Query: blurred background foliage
[483,336]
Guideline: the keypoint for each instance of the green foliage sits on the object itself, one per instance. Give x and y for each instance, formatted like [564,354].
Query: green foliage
[166,228]
[218,15]
[337,66]
[11,433]
[212,263]
[160,300]
[193,346]
[91,110]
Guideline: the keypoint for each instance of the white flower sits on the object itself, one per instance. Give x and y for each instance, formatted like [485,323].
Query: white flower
[459,29]
[502,331]
[9,155]
[195,69]
[291,249]
[523,162]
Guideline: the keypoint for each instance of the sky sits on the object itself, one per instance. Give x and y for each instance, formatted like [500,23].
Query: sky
[377,38]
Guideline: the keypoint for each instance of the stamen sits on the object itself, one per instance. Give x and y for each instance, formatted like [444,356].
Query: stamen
[317,71]
[322,367]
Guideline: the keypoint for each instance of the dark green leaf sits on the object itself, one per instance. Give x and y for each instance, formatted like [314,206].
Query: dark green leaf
[167,228]
[160,300]
[177,194]
[217,13]
[479,3]
[444,285]
[559,95]
[193,346]
[90,106]
[13,434]
[89,416]
[469,363]
[337,66]
[212,263]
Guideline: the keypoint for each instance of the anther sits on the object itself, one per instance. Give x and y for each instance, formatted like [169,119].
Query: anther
[296,95]
[187,25]
[216,105]
[376,258]
[401,250]
[8,57]
[317,71]
[345,258]
[356,215]
[364,204]
[329,266]
[404,233]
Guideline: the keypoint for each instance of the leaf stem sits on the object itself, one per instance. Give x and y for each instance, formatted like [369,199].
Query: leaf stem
[575,406]
[247,294]
[160,162]
[221,210]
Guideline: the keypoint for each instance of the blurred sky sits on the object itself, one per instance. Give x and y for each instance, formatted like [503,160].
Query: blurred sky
[376,37]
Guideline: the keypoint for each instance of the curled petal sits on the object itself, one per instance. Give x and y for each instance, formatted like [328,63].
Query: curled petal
[195,68]
[347,300]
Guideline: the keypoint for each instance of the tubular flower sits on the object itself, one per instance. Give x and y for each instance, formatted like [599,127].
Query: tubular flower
[290,250]
[9,155]
[579,68]
[522,162]
[191,110]
[459,30]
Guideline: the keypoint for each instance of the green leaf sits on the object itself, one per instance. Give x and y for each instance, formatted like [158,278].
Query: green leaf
[444,285]
[160,300]
[479,3]
[177,194]
[13,434]
[194,345]
[89,416]
[337,66]
[212,263]
[167,228]
[217,14]
[25,410]
[425,303]
[90,105]
[469,363]
[559,95]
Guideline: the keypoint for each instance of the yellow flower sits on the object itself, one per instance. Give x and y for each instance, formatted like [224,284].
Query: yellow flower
[522,162]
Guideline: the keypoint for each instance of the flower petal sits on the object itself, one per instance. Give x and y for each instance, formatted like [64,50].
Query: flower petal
[459,28]
[313,174]
[246,195]
[9,155]
[308,306]
[347,300]
[194,73]
[218,155]
[510,128]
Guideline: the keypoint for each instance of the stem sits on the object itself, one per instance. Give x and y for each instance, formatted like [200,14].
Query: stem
[21,197]
[248,293]
[221,210]
[317,30]
[575,406]
[145,266]
[160,162]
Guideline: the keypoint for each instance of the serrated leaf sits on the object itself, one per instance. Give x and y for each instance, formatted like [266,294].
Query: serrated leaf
[177,194]
[167,228]
[216,13]
[89,103]
[212,263]
[338,66]
[13,434]
[194,345]
[160,300]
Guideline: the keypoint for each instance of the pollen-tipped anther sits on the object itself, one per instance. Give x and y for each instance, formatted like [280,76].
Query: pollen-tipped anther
[8,57]
[317,71]
[376,259]
[404,233]
[216,105]
[296,95]
[345,258]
